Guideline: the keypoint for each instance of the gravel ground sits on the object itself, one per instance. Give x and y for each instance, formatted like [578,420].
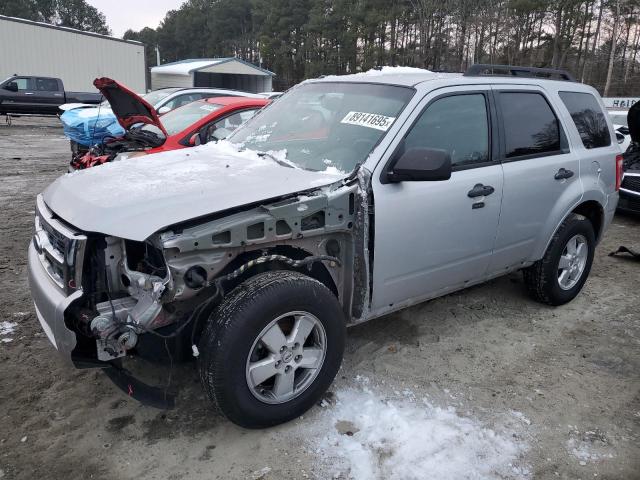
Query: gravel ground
[563,383]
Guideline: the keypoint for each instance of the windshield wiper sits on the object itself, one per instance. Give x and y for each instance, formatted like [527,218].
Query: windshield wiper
[277,160]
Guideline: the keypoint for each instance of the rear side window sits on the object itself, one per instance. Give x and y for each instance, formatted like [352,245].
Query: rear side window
[588,118]
[530,126]
[46,84]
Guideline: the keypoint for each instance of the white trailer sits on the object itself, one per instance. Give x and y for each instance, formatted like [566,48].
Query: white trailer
[76,57]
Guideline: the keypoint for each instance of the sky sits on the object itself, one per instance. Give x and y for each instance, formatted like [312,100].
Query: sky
[134,14]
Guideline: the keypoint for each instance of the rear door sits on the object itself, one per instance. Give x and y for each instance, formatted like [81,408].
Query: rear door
[48,93]
[541,174]
[437,236]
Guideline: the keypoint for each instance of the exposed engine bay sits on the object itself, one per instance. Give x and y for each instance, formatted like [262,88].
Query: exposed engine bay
[134,141]
[133,114]
[166,285]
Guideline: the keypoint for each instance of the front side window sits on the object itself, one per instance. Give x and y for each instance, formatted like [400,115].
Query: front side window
[530,126]
[588,118]
[22,83]
[46,85]
[457,124]
[325,125]
[223,128]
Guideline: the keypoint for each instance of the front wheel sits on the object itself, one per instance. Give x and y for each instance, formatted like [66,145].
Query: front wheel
[272,348]
[559,276]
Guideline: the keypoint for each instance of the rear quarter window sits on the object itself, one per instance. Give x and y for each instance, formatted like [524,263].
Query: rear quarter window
[588,118]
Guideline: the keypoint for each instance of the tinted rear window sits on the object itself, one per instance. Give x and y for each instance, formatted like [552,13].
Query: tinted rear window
[588,118]
[530,126]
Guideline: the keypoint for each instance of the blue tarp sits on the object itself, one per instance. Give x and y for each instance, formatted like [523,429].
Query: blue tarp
[89,126]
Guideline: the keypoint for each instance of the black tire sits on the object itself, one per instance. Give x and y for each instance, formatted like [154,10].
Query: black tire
[541,278]
[234,326]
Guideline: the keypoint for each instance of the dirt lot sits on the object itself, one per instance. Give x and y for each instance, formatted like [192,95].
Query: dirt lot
[550,392]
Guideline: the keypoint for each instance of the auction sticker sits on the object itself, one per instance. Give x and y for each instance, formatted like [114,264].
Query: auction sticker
[371,120]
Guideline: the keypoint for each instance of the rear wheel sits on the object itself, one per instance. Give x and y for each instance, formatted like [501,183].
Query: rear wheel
[272,348]
[559,276]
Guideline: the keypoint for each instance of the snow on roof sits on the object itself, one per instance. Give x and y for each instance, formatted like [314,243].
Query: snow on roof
[391,75]
[185,67]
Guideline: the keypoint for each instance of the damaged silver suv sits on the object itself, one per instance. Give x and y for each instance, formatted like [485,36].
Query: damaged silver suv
[348,198]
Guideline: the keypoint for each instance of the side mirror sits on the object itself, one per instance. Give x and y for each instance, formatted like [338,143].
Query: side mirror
[207,134]
[421,164]
[163,110]
[11,86]
[619,138]
[195,140]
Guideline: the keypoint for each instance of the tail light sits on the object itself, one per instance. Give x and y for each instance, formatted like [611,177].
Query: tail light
[619,171]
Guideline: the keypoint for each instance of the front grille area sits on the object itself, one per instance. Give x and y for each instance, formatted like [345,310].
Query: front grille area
[631,183]
[60,248]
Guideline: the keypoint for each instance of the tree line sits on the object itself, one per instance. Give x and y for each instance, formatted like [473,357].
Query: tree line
[596,40]
[65,13]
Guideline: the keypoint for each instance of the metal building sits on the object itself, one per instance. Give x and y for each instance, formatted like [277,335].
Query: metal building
[41,49]
[232,73]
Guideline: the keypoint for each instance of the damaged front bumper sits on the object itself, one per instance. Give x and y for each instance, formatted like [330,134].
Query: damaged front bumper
[50,305]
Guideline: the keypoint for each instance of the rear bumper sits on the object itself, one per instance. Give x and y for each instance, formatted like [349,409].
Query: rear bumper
[630,193]
[50,305]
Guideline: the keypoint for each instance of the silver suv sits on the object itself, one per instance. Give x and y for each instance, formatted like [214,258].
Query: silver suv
[349,198]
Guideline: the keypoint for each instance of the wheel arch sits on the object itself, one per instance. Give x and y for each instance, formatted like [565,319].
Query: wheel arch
[317,270]
[594,212]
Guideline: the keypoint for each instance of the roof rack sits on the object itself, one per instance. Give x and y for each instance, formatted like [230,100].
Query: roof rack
[481,69]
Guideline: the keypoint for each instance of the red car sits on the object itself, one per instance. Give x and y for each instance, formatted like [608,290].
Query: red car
[146,132]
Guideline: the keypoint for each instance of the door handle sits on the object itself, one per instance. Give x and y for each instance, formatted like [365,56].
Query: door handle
[563,174]
[480,190]
[28,93]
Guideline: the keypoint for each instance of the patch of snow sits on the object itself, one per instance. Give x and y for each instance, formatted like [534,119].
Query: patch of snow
[331,170]
[260,474]
[586,452]
[520,416]
[7,328]
[368,437]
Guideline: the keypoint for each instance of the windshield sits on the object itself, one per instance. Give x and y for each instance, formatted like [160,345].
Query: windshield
[325,126]
[619,119]
[154,97]
[181,118]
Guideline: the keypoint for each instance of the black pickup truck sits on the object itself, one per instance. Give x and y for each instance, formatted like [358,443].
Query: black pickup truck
[23,94]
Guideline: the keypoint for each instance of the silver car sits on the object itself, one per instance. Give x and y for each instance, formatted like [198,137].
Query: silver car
[349,198]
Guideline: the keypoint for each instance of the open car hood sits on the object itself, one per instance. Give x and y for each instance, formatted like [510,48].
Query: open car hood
[633,120]
[128,107]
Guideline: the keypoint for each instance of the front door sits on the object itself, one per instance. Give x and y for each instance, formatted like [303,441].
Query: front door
[20,101]
[437,236]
